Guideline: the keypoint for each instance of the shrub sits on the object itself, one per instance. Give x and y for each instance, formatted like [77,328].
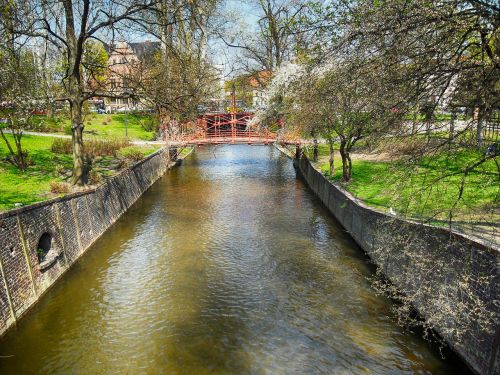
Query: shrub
[59,170]
[403,146]
[101,147]
[149,124]
[123,163]
[46,124]
[58,187]
[62,146]
[132,153]
[67,129]
[94,177]
[93,148]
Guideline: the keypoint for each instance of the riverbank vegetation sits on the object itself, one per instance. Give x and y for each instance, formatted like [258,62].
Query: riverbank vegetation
[49,167]
[411,123]
[64,56]
[388,181]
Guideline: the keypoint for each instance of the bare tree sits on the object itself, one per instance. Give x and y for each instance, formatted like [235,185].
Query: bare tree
[448,49]
[69,26]
[280,29]
[20,92]
[178,76]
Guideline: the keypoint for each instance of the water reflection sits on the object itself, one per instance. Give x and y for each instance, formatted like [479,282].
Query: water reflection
[226,265]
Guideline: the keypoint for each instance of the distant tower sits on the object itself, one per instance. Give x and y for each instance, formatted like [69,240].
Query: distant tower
[220,98]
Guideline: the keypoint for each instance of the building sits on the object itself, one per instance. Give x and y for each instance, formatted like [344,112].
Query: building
[125,59]
[250,90]
[258,83]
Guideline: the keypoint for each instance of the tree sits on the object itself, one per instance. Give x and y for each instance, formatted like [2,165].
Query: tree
[450,54]
[449,49]
[20,94]
[178,76]
[345,99]
[95,67]
[279,35]
[69,26]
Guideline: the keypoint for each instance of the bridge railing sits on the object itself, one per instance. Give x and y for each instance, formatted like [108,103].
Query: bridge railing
[228,134]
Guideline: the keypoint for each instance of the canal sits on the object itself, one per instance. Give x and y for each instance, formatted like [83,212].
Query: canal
[227,265]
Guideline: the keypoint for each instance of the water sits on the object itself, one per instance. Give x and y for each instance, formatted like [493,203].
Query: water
[227,265]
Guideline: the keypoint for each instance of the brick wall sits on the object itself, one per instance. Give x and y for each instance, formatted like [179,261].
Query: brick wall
[74,222]
[425,262]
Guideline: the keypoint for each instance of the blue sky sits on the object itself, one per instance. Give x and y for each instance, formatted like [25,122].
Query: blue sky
[245,16]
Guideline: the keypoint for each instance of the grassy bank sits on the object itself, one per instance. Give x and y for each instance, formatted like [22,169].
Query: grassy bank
[132,126]
[428,188]
[49,172]
[120,125]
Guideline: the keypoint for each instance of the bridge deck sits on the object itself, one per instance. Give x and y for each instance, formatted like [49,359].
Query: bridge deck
[229,140]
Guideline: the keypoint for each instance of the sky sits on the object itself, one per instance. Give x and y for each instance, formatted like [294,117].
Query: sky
[239,14]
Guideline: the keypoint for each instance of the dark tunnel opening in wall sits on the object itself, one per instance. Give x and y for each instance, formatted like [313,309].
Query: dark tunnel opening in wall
[44,246]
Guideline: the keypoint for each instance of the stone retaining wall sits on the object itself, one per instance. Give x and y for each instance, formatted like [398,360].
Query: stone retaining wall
[428,263]
[73,223]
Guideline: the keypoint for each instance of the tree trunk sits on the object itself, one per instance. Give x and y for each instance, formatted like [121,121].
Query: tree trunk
[414,126]
[349,166]
[75,87]
[478,120]
[315,150]
[50,109]
[21,160]
[345,162]
[79,172]
[298,152]
[331,161]
[18,157]
[428,128]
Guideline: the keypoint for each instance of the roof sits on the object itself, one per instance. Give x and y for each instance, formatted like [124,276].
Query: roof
[259,79]
[145,49]
[140,49]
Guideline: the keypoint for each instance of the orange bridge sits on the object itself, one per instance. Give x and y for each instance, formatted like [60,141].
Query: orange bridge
[218,128]
[222,128]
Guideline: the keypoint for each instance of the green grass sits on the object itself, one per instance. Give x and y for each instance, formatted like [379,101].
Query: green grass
[184,152]
[102,126]
[118,126]
[33,185]
[427,189]
[437,117]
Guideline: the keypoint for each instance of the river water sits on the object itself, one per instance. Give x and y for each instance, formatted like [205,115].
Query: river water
[227,265]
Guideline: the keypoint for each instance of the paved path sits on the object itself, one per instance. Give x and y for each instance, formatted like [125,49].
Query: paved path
[215,140]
